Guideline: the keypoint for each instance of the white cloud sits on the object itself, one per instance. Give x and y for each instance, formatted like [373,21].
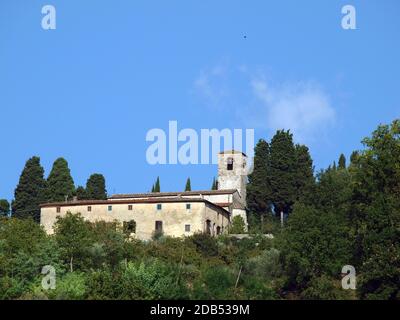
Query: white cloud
[304,108]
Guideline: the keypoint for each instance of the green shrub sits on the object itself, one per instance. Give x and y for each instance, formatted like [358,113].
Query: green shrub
[324,288]
[205,244]
[254,288]
[215,283]
[152,280]
[11,288]
[72,286]
[103,285]
[266,266]
[238,225]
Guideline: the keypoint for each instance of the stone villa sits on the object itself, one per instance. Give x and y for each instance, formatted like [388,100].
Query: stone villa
[173,213]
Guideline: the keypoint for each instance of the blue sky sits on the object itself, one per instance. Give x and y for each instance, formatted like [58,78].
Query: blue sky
[90,90]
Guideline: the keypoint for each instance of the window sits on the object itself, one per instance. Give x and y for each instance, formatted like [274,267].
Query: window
[58,209]
[187,227]
[230,164]
[109,208]
[187,206]
[159,207]
[130,207]
[159,226]
[89,208]
[218,230]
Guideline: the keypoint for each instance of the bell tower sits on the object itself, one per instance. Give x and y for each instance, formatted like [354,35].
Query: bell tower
[232,172]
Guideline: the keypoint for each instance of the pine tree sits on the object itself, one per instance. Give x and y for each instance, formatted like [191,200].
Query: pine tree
[30,191]
[188,186]
[96,187]
[214,184]
[342,161]
[157,187]
[282,169]
[4,208]
[258,187]
[60,183]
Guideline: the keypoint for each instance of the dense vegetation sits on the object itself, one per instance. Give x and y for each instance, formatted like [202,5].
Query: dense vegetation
[348,214]
[99,261]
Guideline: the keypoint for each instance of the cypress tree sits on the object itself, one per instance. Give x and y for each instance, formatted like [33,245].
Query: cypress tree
[188,187]
[304,173]
[152,188]
[342,161]
[30,191]
[60,182]
[258,187]
[96,187]
[282,169]
[157,187]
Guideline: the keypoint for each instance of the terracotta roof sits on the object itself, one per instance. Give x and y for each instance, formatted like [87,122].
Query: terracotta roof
[165,194]
[223,204]
[131,201]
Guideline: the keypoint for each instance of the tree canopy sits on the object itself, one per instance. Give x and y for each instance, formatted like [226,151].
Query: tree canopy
[282,169]
[375,213]
[259,186]
[30,191]
[59,182]
[96,187]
